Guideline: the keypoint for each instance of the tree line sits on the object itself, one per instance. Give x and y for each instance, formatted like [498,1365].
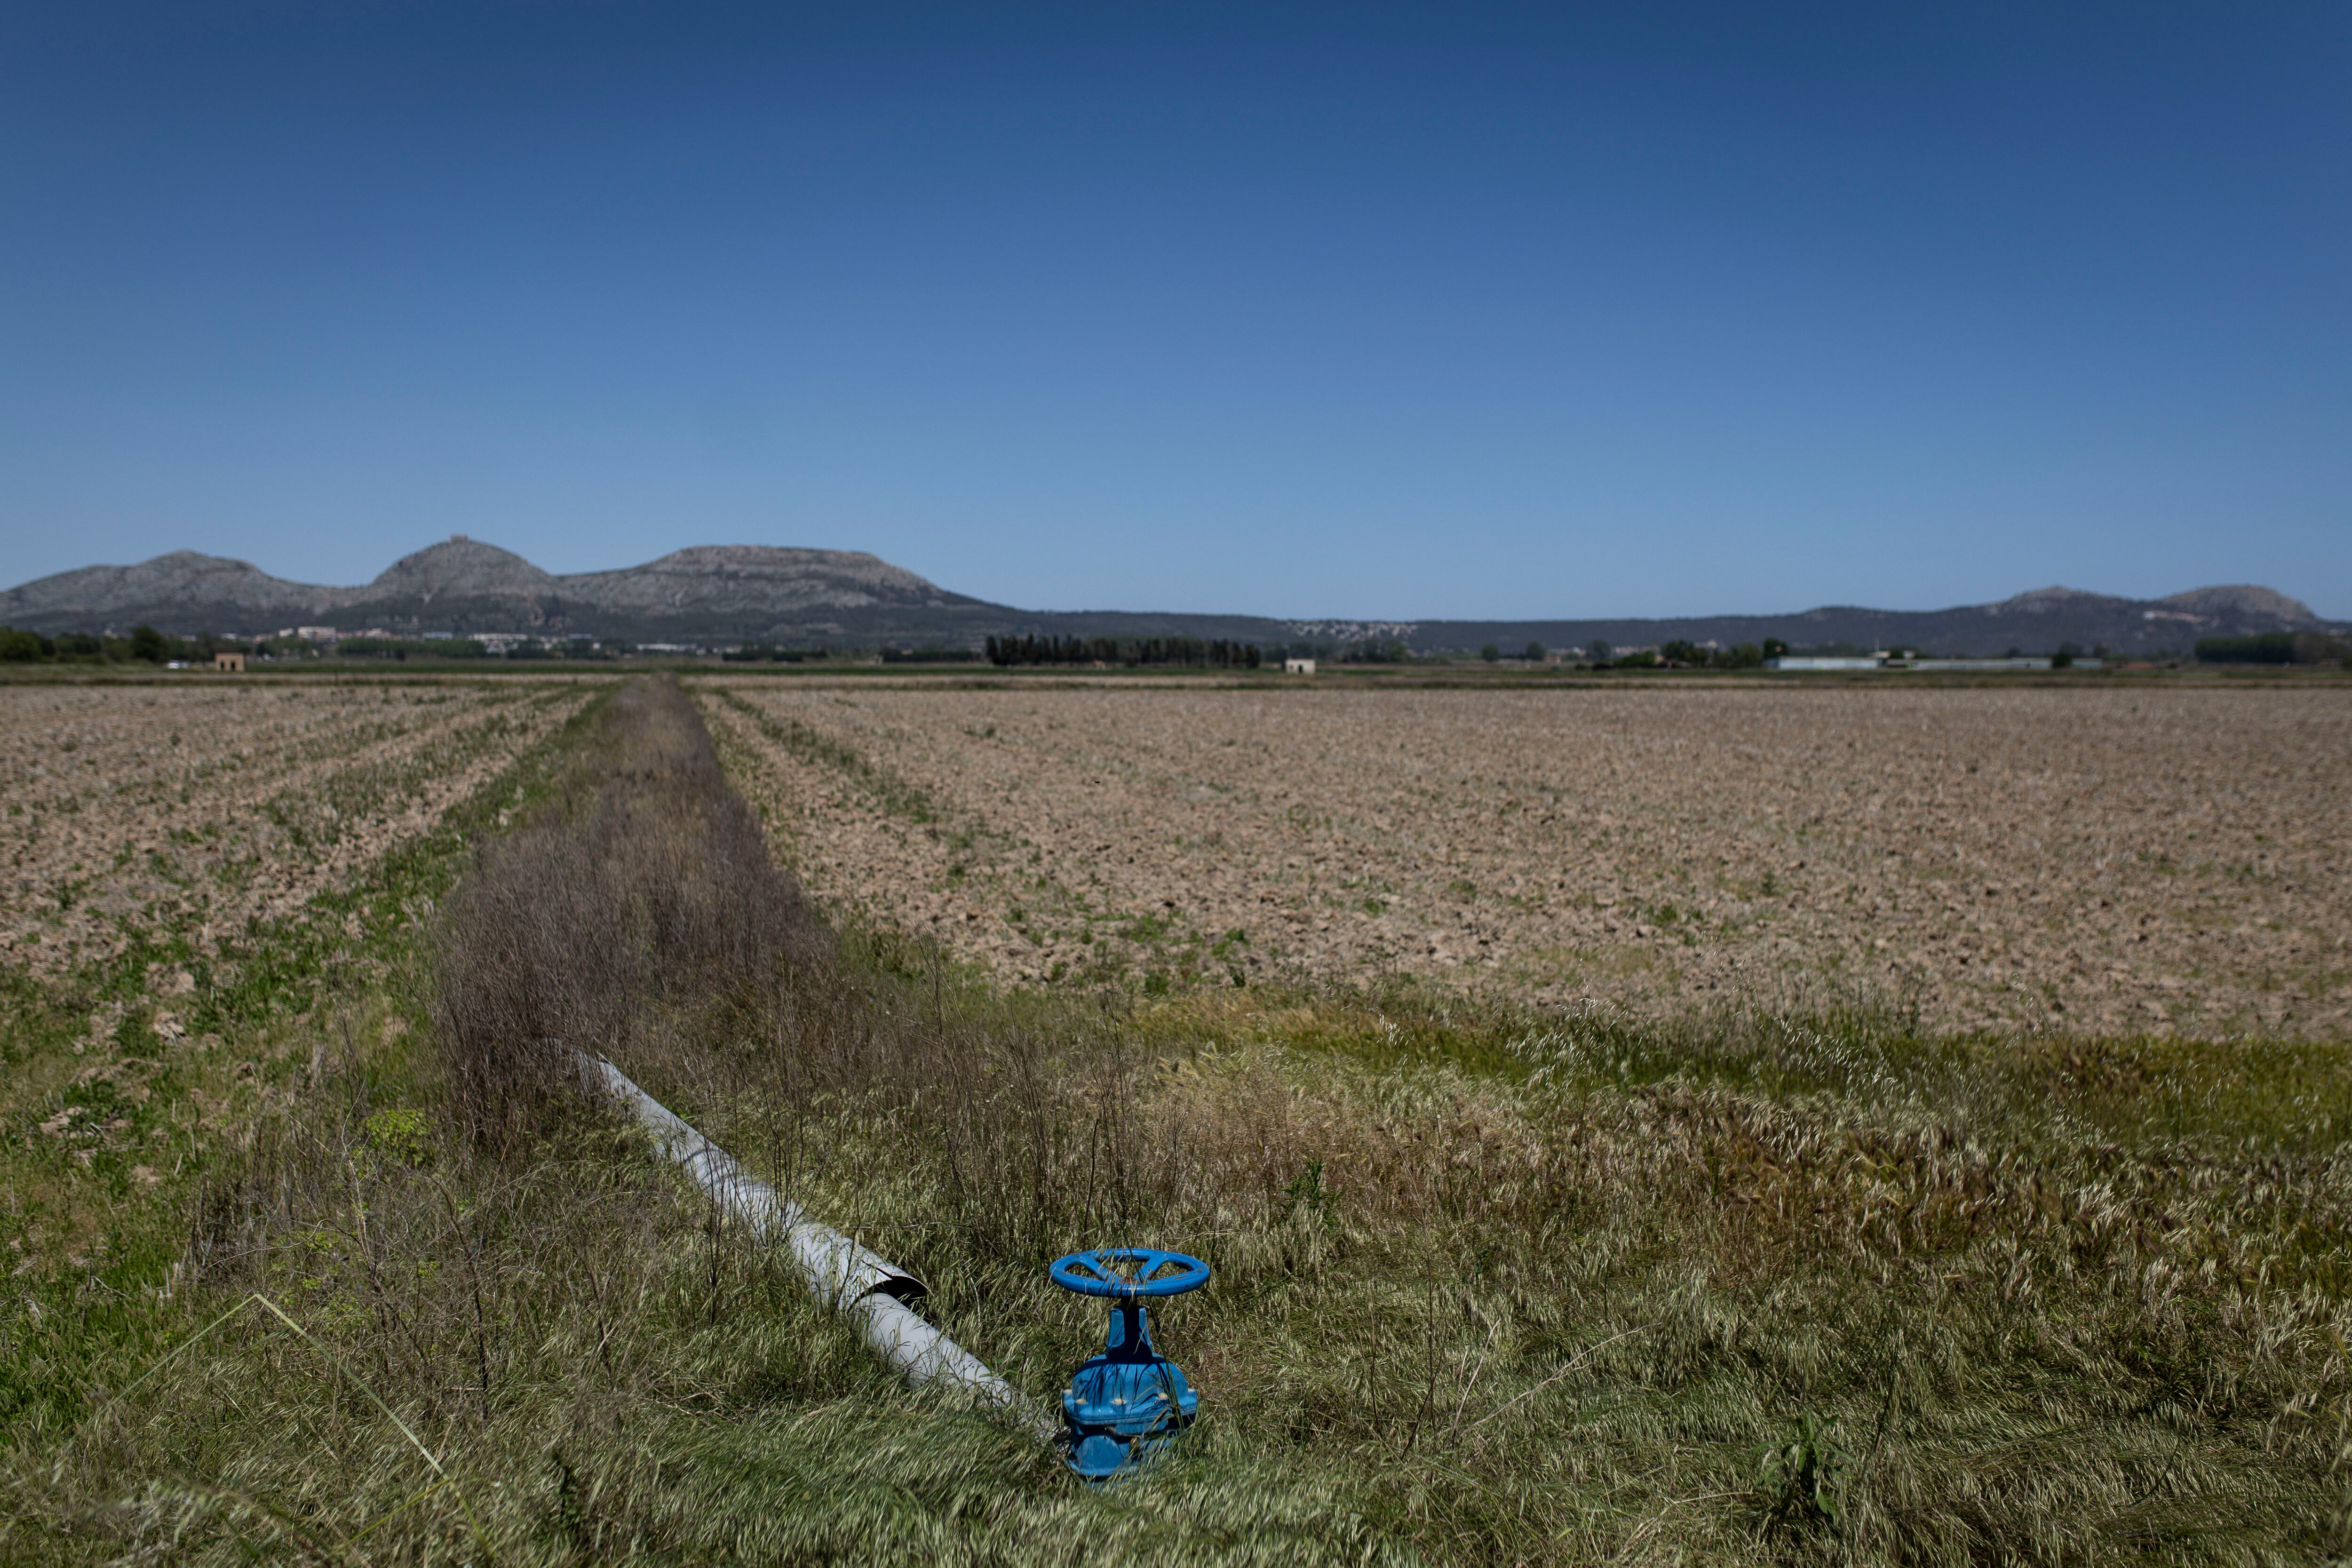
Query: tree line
[2274,647]
[145,645]
[1217,653]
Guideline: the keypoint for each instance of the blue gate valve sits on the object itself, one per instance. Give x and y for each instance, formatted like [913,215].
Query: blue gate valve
[1130,1402]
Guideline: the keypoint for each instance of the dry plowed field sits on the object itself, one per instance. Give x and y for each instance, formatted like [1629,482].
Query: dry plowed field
[2126,859]
[202,808]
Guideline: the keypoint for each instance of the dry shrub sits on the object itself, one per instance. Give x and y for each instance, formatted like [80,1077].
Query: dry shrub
[646,884]
[640,918]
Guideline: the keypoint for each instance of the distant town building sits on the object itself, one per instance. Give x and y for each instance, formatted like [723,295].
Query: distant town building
[233,663]
[1298,667]
[317,633]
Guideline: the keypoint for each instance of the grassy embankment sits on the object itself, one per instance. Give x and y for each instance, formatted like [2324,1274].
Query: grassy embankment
[1496,1287]
[127,1066]
[132,1085]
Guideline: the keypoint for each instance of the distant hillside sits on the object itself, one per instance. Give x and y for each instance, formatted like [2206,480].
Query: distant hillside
[182,587]
[729,593]
[721,594]
[2036,622]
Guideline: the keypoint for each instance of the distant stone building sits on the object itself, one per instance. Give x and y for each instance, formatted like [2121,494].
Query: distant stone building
[233,663]
[1298,667]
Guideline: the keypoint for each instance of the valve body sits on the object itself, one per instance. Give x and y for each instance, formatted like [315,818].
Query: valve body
[1126,1404]
[1130,1402]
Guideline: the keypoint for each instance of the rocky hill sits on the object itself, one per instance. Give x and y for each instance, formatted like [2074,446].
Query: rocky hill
[731,592]
[182,587]
[717,595]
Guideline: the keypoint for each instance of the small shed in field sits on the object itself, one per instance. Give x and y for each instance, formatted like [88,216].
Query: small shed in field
[233,663]
[1298,667]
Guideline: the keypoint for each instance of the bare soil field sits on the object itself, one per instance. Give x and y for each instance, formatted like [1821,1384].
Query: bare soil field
[177,863]
[133,811]
[2140,859]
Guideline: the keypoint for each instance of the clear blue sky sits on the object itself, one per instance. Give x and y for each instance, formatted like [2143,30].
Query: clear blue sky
[1355,310]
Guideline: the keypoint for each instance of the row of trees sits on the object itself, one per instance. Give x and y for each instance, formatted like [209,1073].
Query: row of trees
[144,643]
[1684,655]
[1745,656]
[404,648]
[1362,651]
[1676,655]
[2275,647]
[147,645]
[762,654]
[929,656]
[1218,654]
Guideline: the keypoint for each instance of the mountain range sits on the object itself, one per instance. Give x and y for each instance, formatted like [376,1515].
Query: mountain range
[733,594]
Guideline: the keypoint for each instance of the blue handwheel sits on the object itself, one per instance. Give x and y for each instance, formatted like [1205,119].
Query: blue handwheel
[1098,1273]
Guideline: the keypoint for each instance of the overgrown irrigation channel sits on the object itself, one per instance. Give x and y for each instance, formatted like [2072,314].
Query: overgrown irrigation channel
[1491,1286]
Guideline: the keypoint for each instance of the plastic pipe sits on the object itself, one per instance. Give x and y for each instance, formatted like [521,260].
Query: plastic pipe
[840,1273]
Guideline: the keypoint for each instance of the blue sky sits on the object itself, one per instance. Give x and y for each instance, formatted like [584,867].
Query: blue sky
[1355,310]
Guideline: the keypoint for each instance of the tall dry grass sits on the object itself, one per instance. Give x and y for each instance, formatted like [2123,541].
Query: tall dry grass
[640,918]
[643,890]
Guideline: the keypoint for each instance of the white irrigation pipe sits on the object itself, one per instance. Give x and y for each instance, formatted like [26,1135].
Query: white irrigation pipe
[840,1273]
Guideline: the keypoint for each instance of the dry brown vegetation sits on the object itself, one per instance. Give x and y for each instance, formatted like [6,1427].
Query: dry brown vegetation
[643,897]
[2100,860]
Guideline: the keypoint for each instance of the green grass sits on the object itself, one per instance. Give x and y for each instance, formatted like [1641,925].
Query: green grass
[100,1251]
